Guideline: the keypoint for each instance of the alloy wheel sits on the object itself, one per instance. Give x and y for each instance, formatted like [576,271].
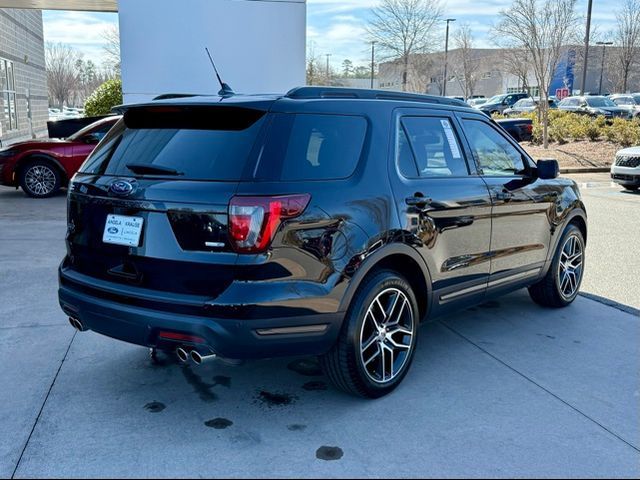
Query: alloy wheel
[40,180]
[386,336]
[570,267]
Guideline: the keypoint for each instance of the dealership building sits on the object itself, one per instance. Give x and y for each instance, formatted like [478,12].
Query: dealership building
[258,46]
[23,79]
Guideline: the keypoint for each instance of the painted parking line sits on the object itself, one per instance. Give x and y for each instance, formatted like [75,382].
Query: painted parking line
[590,185]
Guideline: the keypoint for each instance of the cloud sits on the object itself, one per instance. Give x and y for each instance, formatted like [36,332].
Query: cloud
[82,30]
[333,26]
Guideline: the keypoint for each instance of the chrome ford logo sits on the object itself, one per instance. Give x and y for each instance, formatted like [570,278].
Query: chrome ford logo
[121,187]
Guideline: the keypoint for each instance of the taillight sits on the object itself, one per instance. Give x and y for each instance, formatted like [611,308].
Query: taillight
[254,220]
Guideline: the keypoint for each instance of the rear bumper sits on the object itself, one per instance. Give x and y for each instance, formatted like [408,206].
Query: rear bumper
[235,338]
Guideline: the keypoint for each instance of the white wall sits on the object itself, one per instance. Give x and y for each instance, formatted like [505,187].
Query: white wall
[258,46]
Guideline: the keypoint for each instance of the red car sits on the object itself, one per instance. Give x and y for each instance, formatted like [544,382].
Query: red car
[42,167]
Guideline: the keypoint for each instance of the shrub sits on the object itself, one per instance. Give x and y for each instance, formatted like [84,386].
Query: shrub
[106,96]
[624,132]
[593,130]
[577,126]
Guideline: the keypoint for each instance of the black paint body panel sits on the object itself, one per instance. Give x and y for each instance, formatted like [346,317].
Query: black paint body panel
[465,245]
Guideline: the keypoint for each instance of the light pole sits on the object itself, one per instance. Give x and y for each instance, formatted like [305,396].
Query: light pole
[604,46]
[446,54]
[586,49]
[327,55]
[373,56]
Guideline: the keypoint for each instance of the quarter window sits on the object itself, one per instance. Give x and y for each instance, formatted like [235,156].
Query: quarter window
[301,147]
[493,152]
[429,147]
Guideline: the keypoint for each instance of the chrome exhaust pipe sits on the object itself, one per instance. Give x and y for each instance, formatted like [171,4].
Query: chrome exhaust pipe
[182,354]
[199,359]
[77,324]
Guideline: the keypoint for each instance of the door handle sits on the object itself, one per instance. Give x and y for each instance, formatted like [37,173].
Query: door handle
[417,201]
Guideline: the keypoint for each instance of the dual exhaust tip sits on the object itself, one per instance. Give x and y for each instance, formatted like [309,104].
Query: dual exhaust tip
[183,355]
[195,356]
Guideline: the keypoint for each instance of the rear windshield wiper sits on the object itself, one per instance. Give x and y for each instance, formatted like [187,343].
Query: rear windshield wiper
[143,168]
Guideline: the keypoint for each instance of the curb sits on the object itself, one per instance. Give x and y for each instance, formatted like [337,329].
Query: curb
[611,303]
[586,170]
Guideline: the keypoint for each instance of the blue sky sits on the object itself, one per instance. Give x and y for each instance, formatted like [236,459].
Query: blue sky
[333,26]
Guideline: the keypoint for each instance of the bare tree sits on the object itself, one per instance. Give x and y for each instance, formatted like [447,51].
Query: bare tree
[627,39]
[542,27]
[403,28]
[515,63]
[62,73]
[316,68]
[467,64]
[111,48]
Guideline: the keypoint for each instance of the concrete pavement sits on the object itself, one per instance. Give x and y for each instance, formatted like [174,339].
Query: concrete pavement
[503,389]
[613,253]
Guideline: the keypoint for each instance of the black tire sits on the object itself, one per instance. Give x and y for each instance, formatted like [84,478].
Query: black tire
[40,178]
[548,292]
[631,188]
[344,364]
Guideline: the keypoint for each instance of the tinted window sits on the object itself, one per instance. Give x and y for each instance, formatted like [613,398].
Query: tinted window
[311,147]
[624,101]
[600,102]
[496,99]
[493,152]
[99,131]
[434,146]
[212,143]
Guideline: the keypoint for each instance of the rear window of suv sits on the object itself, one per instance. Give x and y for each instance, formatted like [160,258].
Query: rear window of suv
[230,144]
[200,143]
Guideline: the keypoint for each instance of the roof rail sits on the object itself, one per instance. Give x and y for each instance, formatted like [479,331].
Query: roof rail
[366,94]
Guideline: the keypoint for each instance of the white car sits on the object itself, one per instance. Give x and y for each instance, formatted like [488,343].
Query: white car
[631,102]
[626,168]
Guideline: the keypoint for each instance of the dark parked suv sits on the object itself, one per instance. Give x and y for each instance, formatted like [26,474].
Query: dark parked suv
[327,222]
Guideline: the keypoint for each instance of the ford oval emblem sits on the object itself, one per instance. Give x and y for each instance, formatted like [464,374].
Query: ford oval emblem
[121,187]
[112,230]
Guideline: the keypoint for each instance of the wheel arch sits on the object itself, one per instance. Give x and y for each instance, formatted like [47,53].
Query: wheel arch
[400,258]
[577,217]
[20,164]
[579,221]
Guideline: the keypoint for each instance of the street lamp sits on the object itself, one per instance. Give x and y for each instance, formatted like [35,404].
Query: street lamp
[327,55]
[586,48]
[446,54]
[604,46]
[373,56]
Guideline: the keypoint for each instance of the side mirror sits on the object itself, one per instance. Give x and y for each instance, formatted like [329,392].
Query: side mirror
[90,139]
[548,169]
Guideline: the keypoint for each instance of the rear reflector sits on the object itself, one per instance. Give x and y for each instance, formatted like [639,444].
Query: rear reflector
[181,337]
[253,221]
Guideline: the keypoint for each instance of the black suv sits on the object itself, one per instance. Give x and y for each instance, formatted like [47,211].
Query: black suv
[327,222]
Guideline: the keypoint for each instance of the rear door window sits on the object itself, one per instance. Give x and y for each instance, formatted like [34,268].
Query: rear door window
[432,144]
[302,147]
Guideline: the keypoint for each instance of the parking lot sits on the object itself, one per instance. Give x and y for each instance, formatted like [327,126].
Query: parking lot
[503,389]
